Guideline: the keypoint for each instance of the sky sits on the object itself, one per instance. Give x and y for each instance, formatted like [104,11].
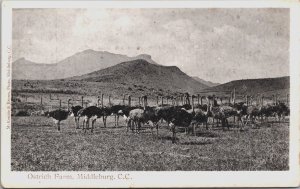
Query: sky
[217,45]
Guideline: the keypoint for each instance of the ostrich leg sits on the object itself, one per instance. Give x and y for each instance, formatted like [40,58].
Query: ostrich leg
[93,122]
[128,125]
[174,135]
[226,122]
[194,129]
[117,120]
[83,123]
[104,121]
[58,125]
[133,125]
[234,119]
[76,124]
[223,123]
[87,125]
[139,127]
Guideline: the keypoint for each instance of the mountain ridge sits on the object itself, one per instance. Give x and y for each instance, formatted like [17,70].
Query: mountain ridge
[141,72]
[253,86]
[81,62]
[208,83]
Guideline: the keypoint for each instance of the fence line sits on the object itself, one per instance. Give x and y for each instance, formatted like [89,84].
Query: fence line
[63,101]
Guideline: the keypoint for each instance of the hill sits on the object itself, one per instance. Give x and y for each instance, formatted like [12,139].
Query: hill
[25,69]
[78,64]
[141,72]
[208,83]
[254,86]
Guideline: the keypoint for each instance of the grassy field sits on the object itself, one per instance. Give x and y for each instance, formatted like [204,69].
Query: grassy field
[38,146]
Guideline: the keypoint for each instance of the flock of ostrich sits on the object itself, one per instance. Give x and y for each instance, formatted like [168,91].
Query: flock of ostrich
[181,113]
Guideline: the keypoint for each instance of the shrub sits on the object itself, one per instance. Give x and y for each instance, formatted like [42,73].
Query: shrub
[22,113]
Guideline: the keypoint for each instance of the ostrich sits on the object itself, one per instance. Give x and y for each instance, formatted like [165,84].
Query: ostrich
[37,113]
[241,110]
[105,113]
[175,116]
[91,112]
[179,117]
[116,110]
[221,112]
[199,115]
[278,110]
[153,114]
[251,112]
[211,100]
[123,110]
[266,111]
[58,116]
[281,110]
[166,112]
[218,114]
[75,111]
[138,116]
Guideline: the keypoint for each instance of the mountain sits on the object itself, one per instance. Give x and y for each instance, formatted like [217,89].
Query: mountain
[78,64]
[254,86]
[141,72]
[208,83]
[25,69]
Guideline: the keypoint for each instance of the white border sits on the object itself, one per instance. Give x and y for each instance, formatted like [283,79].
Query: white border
[159,179]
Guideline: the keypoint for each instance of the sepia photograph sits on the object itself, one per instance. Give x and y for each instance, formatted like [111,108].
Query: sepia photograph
[108,92]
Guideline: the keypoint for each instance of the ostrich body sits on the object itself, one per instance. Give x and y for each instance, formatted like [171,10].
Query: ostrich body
[116,110]
[136,118]
[179,117]
[105,113]
[199,116]
[222,113]
[58,116]
[281,110]
[75,111]
[251,113]
[91,112]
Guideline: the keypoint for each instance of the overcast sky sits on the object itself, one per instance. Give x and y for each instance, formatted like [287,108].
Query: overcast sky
[218,45]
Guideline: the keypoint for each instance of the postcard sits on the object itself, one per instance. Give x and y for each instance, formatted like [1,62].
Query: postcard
[130,94]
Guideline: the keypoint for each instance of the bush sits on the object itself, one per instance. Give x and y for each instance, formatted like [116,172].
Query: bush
[22,113]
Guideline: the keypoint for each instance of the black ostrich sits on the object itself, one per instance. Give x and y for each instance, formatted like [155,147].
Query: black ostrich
[58,116]
[281,110]
[91,112]
[179,117]
[105,112]
[116,110]
[75,111]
